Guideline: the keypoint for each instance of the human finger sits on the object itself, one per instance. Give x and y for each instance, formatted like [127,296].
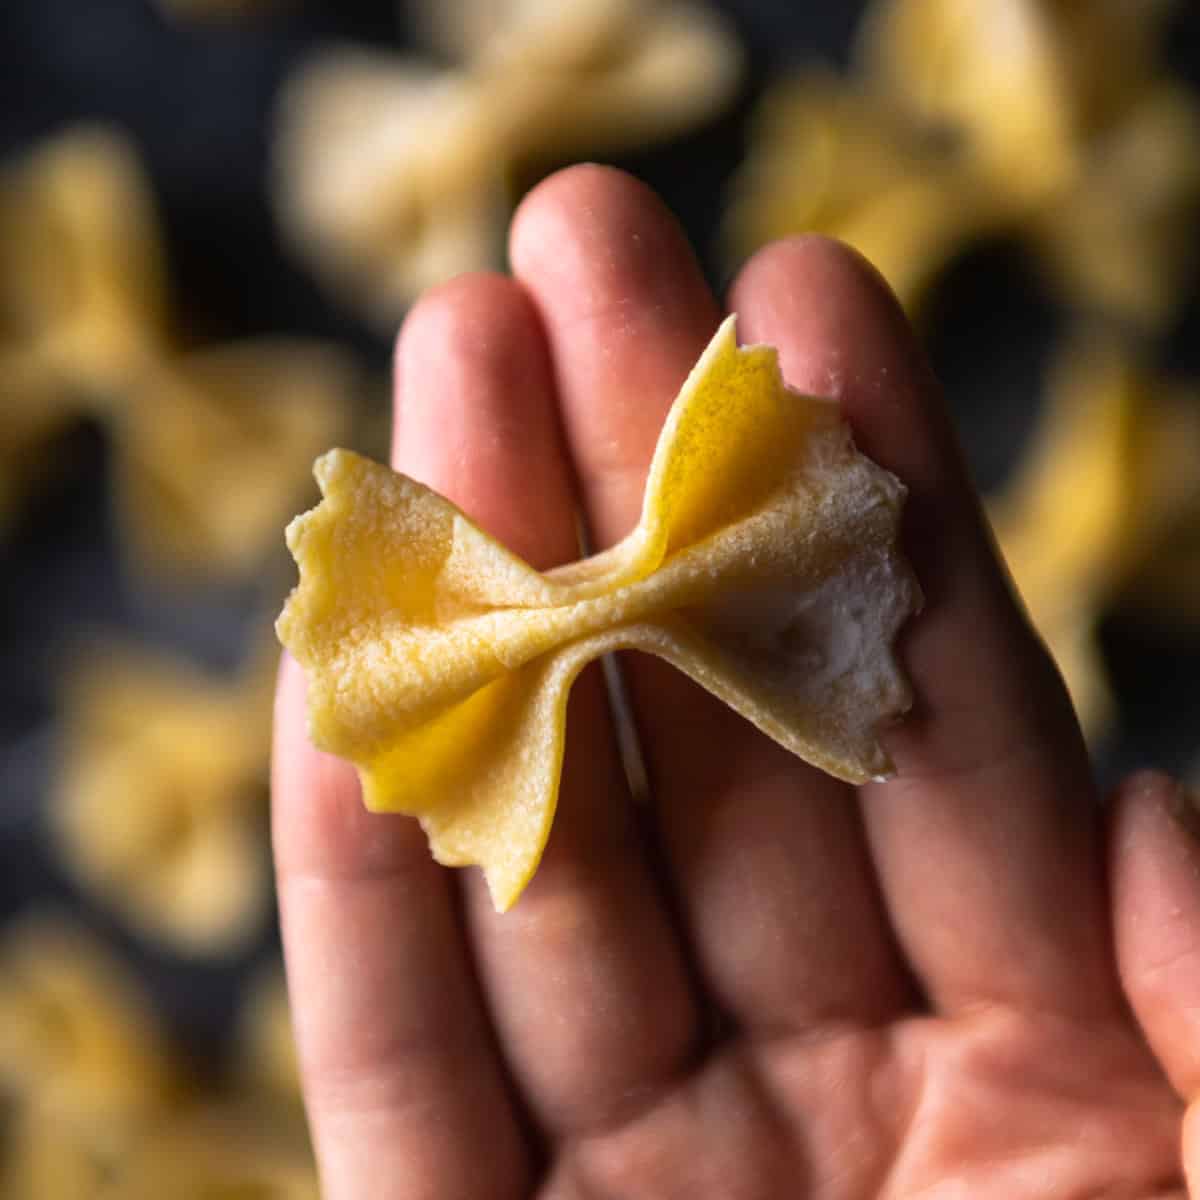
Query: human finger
[986,841]
[398,1068]
[765,852]
[589,937]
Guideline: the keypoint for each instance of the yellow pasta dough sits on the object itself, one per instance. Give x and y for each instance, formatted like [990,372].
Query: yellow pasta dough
[73,1028]
[80,290]
[764,566]
[97,1105]
[394,174]
[160,807]
[1122,238]
[532,33]
[83,1064]
[967,119]
[990,73]
[223,1151]
[1098,505]
[831,157]
[82,280]
[212,447]
[1023,83]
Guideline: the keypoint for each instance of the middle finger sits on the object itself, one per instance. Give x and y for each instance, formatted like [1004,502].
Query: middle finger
[767,852]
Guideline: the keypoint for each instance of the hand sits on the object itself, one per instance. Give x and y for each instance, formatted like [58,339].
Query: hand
[970,981]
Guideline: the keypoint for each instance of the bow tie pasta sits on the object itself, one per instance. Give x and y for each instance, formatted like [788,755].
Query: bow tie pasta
[83,1066]
[535,33]
[212,446]
[83,286]
[1121,239]
[394,175]
[226,1151]
[1023,83]
[160,809]
[1100,509]
[81,283]
[764,566]
[830,156]
[1050,122]
[74,1030]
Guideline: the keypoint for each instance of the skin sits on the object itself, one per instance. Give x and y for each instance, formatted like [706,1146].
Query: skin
[972,980]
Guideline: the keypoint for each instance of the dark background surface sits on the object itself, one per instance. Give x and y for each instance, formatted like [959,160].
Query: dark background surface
[197,99]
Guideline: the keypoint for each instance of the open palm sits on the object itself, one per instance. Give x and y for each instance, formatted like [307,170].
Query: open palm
[969,981]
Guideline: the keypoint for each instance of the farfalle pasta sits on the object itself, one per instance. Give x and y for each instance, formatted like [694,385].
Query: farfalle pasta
[83,1065]
[223,1151]
[97,1103]
[1064,115]
[160,810]
[1024,84]
[80,286]
[1098,506]
[74,1030]
[764,566]
[993,73]
[529,32]
[394,174]
[828,155]
[969,119]
[1122,238]
[212,447]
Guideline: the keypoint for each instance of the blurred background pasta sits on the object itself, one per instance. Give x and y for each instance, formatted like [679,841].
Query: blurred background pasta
[213,214]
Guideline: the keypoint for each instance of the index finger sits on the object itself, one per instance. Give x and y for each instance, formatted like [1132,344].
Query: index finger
[398,1060]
